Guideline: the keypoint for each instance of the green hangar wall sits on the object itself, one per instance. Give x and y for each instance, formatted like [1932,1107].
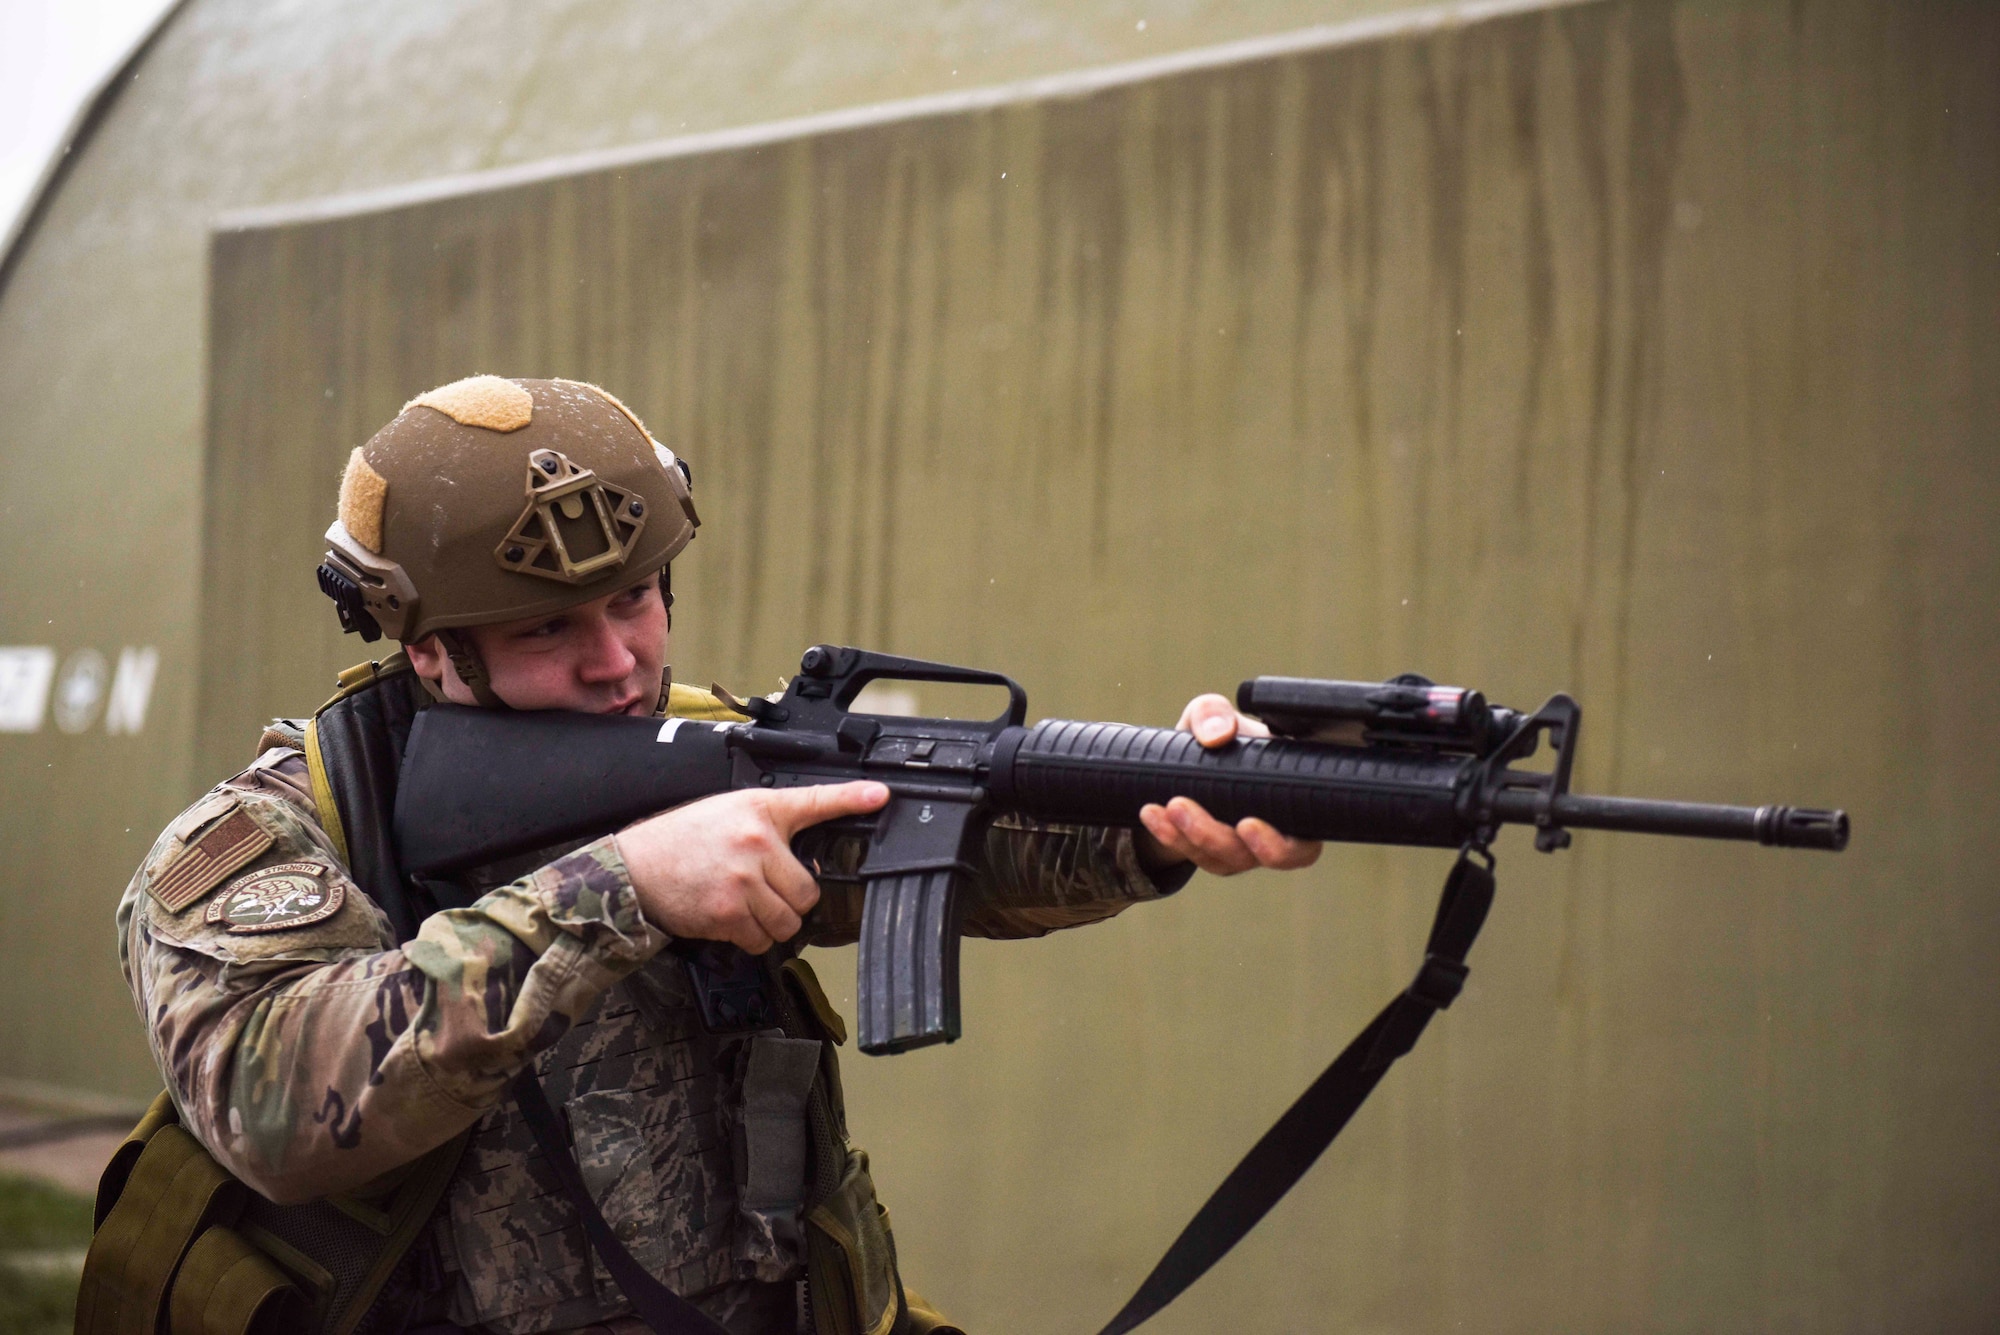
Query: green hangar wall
[104,357]
[1643,350]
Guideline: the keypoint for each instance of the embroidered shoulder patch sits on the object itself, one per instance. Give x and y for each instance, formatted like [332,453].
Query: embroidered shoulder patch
[203,864]
[278,898]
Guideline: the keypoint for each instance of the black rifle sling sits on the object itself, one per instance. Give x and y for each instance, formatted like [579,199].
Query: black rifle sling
[1277,1161]
[664,1311]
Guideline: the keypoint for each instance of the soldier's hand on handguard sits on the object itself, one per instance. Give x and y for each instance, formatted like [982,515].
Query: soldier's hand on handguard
[1181,831]
[722,869]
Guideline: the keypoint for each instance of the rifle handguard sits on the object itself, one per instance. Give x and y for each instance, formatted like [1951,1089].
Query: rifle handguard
[1102,773]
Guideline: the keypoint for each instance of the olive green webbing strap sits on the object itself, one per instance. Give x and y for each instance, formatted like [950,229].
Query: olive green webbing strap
[111,1182]
[159,1190]
[163,1243]
[228,1287]
[174,1192]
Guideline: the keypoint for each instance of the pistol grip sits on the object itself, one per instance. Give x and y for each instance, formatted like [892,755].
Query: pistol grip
[908,993]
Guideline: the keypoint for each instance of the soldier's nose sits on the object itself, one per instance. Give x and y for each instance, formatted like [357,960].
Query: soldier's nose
[606,656]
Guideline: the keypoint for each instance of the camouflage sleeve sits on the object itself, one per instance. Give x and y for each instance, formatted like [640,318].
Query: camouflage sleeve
[303,1048]
[1034,878]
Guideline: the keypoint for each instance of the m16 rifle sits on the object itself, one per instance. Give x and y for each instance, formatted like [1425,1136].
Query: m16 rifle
[1399,762]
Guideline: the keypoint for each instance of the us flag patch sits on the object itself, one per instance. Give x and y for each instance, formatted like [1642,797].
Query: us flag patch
[202,865]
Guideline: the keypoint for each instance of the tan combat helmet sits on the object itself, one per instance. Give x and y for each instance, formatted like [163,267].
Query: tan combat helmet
[491,500]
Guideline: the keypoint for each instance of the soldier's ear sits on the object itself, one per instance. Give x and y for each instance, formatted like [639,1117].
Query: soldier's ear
[427,658]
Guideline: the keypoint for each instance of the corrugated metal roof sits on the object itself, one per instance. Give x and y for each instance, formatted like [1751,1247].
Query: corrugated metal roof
[401,89]
[1410,20]
[96,103]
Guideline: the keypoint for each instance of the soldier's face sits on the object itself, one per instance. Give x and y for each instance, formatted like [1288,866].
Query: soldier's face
[604,657]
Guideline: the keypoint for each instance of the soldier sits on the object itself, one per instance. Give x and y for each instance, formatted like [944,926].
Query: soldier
[366,1051]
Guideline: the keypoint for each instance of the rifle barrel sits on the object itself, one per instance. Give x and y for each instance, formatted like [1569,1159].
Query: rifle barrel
[1776,826]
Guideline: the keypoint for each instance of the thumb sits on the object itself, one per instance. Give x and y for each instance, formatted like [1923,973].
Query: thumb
[1211,718]
[793,809]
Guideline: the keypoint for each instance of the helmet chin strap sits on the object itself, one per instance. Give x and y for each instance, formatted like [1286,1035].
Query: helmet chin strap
[666,672]
[465,661]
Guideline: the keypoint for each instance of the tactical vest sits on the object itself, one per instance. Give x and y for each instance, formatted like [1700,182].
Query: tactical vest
[703,1104]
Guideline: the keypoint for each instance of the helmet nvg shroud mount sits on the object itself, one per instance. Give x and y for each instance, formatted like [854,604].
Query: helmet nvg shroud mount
[491,500]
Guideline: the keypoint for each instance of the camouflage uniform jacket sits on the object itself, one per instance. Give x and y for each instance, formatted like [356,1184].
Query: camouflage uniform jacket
[310,1053]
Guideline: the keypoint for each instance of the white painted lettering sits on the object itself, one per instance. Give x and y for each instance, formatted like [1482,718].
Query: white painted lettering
[80,690]
[131,690]
[25,674]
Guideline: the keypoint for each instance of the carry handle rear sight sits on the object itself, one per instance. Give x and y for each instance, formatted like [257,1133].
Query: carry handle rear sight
[829,672]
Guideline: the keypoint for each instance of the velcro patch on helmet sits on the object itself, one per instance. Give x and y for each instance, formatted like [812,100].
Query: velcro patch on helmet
[363,493]
[481,400]
[619,404]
